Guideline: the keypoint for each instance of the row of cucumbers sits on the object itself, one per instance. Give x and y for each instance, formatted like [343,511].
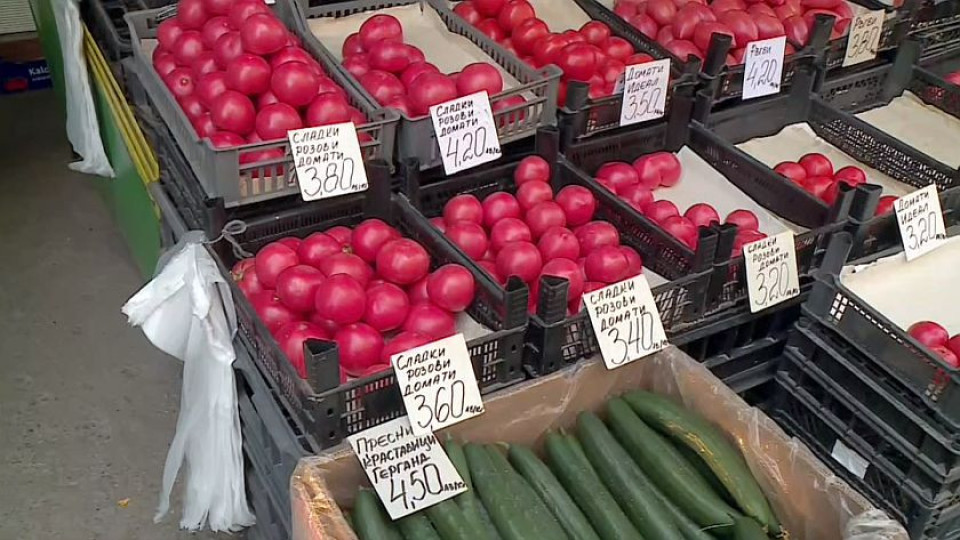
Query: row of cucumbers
[652,471]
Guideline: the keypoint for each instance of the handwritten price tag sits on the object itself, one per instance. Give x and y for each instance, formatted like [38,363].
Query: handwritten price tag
[644,92]
[626,321]
[864,37]
[771,271]
[921,221]
[328,161]
[409,472]
[763,67]
[437,383]
[465,132]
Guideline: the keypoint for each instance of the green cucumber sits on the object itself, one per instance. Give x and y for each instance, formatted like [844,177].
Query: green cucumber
[688,528]
[449,521]
[370,519]
[535,508]
[671,472]
[584,485]
[472,508]
[459,460]
[624,479]
[417,527]
[699,435]
[538,475]
[746,528]
[705,472]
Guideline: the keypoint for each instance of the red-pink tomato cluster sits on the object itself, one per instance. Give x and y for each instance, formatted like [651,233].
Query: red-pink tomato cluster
[367,288]
[814,173]
[936,338]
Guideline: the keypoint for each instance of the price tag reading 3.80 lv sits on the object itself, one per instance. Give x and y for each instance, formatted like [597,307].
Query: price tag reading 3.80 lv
[771,271]
[920,220]
[437,383]
[328,161]
[644,91]
[763,67]
[409,472]
[465,132]
[864,37]
[626,321]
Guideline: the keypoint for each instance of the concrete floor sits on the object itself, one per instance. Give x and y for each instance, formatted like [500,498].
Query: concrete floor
[87,406]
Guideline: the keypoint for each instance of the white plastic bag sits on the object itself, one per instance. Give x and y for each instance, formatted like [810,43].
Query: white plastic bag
[83,130]
[187,311]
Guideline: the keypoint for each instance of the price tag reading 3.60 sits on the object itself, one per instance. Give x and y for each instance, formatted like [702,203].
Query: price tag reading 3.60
[771,271]
[328,161]
[763,67]
[626,321]
[920,220]
[644,91]
[466,134]
[864,37]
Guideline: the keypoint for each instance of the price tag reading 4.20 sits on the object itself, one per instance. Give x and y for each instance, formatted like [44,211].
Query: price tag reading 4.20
[644,91]
[771,271]
[626,321]
[763,67]
[466,134]
[864,37]
[921,221]
[437,383]
[409,472]
[328,161]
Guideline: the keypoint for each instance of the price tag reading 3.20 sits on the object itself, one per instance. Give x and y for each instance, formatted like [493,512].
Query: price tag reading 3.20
[466,134]
[409,472]
[771,271]
[644,91]
[920,220]
[328,161]
[763,67]
[626,321]
[864,37]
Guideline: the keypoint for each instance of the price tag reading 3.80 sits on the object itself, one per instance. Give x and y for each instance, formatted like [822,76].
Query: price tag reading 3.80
[644,91]
[763,67]
[466,134]
[920,220]
[771,271]
[626,321]
[864,37]
[328,161]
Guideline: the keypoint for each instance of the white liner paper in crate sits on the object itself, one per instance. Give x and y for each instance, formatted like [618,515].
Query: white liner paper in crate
[922,126]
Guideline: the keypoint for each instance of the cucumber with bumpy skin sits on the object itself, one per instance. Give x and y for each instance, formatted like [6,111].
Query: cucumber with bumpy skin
[417,527]
[548,526]
[371,521]
[472,508]
[687,527]
[450,523]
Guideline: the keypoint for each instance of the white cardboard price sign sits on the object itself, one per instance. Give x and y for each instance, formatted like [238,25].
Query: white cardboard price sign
[626,321]
[763,67]
[921,221]
[466,134]
[851,461]
[644,91]
[328,161]
[437,383]
[409,472]
[864,37]
[771,271]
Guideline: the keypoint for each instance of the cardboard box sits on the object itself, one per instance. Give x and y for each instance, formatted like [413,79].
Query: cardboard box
[22,67]
[809,500]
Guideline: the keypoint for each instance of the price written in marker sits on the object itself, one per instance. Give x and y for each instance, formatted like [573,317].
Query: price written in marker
[763,67]
[771,271]
[466,134]
[921,221]
[626,321]
[644,92]
[864,37]
[328,161]
[437,384]
[409,472]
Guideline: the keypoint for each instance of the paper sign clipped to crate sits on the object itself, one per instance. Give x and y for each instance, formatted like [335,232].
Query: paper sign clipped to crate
[328,161]
[644,92]
[863,37]
[466,133]
[763,67]
[626,321]
[920,219]
[409,472]
[772,275]
[437,383]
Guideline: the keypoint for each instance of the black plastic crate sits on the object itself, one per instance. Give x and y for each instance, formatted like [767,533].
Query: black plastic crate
[933,15]
[104,19]
[273,522]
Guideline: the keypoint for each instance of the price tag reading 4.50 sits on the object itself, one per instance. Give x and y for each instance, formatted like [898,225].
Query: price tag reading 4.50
[763,67]
[771,271]
[409,472]
[864,37]
[921,221]
[626,321]
[465,132]
[437,383]
[644,91]
[328,161]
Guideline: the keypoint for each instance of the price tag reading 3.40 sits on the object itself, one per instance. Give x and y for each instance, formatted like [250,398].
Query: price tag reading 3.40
[409,472]
[465,132]
[763,67]
[644,91]
[437,383]
[626,321]
[864,37]
[921,221]
[328,161]
[771,271]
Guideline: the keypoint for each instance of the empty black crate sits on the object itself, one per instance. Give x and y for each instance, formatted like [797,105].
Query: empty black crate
[273,521]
